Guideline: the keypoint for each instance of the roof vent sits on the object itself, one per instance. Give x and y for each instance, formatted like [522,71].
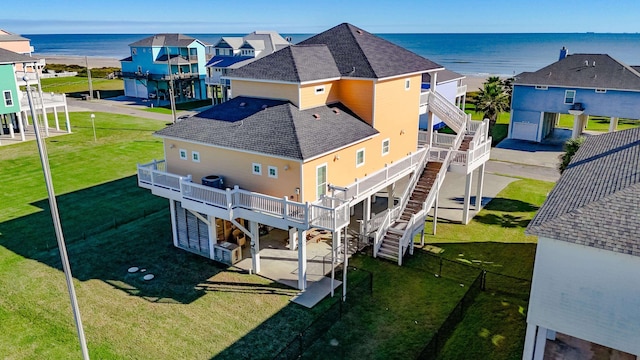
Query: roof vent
[336,111]
[594,64]
[264,106]
[242,104]
[586,63]
[316,116]
[359,32]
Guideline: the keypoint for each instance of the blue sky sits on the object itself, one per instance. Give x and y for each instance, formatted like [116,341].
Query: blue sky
[304,16]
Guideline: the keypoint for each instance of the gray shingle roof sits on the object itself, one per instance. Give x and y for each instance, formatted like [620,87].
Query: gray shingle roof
[9,36]
[160,40]
[443,76]
[596,202]
[10,57]
[296,63]
[280,129]
[364,55]
[578,70]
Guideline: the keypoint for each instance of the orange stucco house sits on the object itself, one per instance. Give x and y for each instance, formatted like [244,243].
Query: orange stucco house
[310,132]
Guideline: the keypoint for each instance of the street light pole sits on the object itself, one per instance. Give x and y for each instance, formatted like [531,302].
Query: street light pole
[58,226]
[172,99]
[93,125]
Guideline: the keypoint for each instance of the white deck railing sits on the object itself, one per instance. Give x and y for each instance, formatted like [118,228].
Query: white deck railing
[328,213]
[462,90]
[453,116]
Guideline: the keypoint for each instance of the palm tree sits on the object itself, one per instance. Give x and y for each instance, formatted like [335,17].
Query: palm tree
[492,99]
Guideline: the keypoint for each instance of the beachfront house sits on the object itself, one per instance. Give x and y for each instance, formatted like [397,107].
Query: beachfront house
[14,105]
[585,293]
[451,88]
[582,85]
[14,42]
[315,137]
[162,62]
[234,52]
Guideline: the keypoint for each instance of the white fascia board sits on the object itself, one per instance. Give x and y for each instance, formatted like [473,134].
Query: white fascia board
[409,74]
[259,80]
[341,147]
[569,87]
[226,148]
[319,81]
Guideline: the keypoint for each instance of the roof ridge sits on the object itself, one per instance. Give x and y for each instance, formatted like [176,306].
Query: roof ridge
[291,118]
[295,63]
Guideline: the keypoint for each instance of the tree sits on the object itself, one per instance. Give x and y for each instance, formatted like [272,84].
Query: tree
[571,146]
[493,98]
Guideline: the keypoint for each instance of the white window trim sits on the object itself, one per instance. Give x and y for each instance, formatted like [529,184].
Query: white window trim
[195,156]
[407,84]
[363,157]
[275,172]
[6,100]
[388,141]
[253,169]
[319,90]
[601,91]
[183,152]
[542,87]
[326,174]
[573,98]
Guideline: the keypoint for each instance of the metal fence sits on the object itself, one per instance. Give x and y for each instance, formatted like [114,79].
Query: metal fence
[305,339]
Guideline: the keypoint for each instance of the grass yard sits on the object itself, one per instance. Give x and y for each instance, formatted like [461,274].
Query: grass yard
[75,84]
[501,128]
[598,123]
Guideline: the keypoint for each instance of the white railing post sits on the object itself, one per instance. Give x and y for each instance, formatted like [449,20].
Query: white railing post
[285,208]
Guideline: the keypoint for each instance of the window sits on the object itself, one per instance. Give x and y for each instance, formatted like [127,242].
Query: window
[601,91]
[385,146]
[183,154]
[359,157]
[134,51]
[407,84]
[569,96]
[321,180]
[8,99]
[319,90]
[542,87]
[195,156]
[256,169]
[272,172]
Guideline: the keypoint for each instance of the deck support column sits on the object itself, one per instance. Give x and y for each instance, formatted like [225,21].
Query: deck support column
[302,260]
[345,265]
[435,214]
[335,241]
[467,198]
[480,186]
[20,125]
[613,124]
[366,214]
[390,194]
[255,246]
[174,224]
[55,116]
[577,127]
[11,133]
[66,114]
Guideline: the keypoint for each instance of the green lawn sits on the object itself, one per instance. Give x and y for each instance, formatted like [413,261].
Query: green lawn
[598,123]
[501,128]
[67,85]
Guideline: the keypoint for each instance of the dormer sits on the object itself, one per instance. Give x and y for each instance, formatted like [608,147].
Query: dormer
[228,46]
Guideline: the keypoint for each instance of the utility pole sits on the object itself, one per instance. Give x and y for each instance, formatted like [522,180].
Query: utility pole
[171,90]
[86,60]
[42,149]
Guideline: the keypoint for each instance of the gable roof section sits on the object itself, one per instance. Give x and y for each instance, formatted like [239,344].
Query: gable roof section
[296,63]
[280,129]
[233,42]
[578,70]
[596,202]
[10,57]
[222,61]
[160,40]
[360,54]
[9,36]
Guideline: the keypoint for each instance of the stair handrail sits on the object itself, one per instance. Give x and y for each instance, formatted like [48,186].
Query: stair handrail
[403,239]
[379,234]
[448,110]
[414,180]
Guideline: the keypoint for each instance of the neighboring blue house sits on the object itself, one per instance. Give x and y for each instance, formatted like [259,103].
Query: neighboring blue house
[581,85]
[159,59]
[233,52]
[449,85]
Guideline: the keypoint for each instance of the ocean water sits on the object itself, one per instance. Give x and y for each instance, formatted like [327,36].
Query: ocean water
[469,54]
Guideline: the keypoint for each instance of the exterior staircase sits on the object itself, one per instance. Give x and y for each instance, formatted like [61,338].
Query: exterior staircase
[390,247]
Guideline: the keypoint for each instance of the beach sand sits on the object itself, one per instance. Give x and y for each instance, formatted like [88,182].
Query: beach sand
[474,83]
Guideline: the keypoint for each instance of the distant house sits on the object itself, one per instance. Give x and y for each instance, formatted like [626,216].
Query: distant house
[233,52]
[162,59]
[14,105]
[449,85]
[581,85]
[14,42]
[586,289]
